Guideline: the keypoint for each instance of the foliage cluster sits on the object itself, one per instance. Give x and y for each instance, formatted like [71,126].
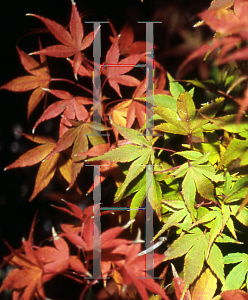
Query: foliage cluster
[196,155]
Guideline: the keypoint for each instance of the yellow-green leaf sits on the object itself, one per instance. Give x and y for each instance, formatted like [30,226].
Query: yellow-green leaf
[205,286]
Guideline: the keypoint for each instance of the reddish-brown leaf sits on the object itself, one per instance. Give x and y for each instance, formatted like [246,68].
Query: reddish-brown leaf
[55,259]
[96,150]
[201,52]
[234,295]
[108,238]
[115,69]
[73,42]
[126,41]
[179,285]
[135,266]
[73,107]
[78,266]
[39,79]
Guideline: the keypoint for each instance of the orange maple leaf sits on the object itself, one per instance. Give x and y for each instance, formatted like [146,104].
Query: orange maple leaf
[38,80]
[26,280]
[47,168]
[73,42]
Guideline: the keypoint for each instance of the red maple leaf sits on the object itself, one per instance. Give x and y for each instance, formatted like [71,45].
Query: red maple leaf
[232,27]
[179,285]
[71,107]
[73,42]
[115,69]
[135,266]
[126,41]
[57,259]
[38,80]
[107,240]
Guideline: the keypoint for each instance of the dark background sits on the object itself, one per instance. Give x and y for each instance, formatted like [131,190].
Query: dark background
[16,186]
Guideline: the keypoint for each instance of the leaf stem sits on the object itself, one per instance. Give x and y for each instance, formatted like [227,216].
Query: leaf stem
[72,82]
[167,170]
[164,149]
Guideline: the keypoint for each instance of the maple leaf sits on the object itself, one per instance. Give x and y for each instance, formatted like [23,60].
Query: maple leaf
[38,80]
[234,295]
[108,238]
[77,212]
[26,281]
[115,69]
[194,244]
[180,212]
[135,266]
[226,21]
[141,153]
[78,136]
[73,42]
[55,259]
[181,116]
[47,168]
[127,45]
[216,4]
[229,41]
[137,108]
[239,272]
[236,149]
[84,71]
[125,112]
[227,123]
[216,220]
[107,168]
[179,285]
[205,286]
[107,242]
[198,177]
[71,107]
[118,115]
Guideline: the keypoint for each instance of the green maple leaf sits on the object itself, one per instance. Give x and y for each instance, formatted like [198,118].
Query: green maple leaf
[237,191]
[237,275]
[236,149]
[183,119]
[227,123]
[217,218]
[195,245]
[241,216]
[140,152]
[197,177]
[177,212]
[167,100]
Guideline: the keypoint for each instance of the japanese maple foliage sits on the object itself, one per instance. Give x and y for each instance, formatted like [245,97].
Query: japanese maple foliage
[190,167]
